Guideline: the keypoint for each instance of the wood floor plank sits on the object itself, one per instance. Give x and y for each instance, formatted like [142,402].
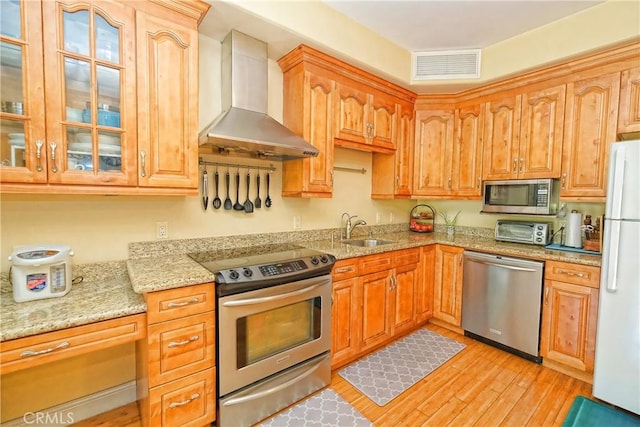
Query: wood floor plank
[480,386]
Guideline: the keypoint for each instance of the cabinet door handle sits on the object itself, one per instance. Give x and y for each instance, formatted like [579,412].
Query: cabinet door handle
[143,156]
[344,269]
[564,181]
[449,183]
[194,396]
[39,145]
[521,163]
[397,182]
[29,353]
[571,273]
[479,183]
[515,165]
[182,304]
[546,296]
[53,146]
[183,342]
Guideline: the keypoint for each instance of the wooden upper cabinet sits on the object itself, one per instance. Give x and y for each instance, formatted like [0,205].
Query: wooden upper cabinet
[167,54]
[629,111]
[22,125]
[591,122]
[392,174]
[467,151]
[106,81]
[308,112]
[432,152]
[364,119]
[541,133]
[501,138]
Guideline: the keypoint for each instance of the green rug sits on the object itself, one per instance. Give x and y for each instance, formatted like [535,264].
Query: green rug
[586,413]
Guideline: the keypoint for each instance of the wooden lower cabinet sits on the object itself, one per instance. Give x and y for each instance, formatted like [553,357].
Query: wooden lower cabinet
[176,363]
[424,290]
[447,288]
[569,318]
[374,300]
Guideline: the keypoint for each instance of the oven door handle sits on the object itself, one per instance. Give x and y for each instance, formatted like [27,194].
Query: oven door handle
[261,300]
[274,389]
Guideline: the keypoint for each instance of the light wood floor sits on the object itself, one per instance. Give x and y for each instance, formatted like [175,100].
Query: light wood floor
[480,386]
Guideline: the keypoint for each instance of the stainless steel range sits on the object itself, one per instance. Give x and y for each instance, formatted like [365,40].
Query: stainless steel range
[273,328]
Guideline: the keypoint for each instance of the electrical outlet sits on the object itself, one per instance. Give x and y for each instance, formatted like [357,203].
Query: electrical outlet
[296,222]
[162,230]
[378,217]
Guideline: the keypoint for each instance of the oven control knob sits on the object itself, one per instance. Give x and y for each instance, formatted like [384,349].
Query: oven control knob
[247,272]
[324,259]
[314,261]
[234,274]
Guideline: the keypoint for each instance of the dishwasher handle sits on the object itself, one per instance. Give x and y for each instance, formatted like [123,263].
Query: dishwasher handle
[508,267]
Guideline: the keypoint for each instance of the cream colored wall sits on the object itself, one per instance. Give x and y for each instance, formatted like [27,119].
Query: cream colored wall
[596,27]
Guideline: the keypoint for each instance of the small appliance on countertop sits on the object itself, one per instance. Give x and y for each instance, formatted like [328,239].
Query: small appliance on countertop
[532,233]
[40,271]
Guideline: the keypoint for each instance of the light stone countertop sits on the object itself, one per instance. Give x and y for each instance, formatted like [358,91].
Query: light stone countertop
[115,289]
[105,293]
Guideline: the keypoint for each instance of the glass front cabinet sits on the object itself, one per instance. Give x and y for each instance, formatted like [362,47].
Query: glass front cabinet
[69,93]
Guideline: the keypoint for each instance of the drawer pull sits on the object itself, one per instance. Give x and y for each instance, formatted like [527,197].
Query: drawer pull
[344,270]
[184,342]
[570,273]
[194,396]
[182,304]
[29,353]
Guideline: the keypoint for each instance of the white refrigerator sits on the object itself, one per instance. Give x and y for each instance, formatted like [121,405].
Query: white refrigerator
[617,362]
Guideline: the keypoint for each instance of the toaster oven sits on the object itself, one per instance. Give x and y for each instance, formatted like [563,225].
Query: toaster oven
[532,233]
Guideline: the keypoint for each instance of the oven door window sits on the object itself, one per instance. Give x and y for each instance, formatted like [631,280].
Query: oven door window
[264,334]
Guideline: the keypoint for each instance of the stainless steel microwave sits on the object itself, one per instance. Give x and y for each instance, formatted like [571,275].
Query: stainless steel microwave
[522,196]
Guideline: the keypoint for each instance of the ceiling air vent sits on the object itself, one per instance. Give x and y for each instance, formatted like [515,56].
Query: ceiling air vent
[446,64]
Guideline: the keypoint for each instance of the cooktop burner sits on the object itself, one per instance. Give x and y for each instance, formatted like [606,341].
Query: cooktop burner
[247,268]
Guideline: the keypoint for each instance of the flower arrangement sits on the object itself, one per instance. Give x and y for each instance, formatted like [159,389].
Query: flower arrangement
[450,222]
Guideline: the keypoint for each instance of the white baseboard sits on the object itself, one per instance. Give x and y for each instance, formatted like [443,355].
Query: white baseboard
[79,409]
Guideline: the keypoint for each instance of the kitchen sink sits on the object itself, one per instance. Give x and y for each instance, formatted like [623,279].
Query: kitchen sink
[367,242]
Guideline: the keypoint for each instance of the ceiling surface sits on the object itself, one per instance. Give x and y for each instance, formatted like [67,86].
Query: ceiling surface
[449,25]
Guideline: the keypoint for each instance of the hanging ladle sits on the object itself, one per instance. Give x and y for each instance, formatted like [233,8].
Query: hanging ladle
[267,202]
[216,201]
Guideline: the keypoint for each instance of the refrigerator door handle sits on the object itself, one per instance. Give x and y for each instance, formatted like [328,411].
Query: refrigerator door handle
[612,256]
[618,183]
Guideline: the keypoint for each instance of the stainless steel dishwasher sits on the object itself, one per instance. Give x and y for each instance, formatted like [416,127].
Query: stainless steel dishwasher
[501,302]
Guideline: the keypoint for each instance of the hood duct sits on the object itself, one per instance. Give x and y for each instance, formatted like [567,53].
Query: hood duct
[244,128]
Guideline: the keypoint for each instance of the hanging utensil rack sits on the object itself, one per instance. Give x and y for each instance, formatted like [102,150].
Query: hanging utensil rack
[269,168]
[346,169]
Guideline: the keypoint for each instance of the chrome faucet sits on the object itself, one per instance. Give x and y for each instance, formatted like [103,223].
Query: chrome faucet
[348,228]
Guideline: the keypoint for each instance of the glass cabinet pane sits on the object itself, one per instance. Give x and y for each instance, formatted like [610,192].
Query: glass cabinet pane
[109,151]
[11,78]
[108,96]
[107,41]
[76,31]
[77,90]
[12,143]
[10,18]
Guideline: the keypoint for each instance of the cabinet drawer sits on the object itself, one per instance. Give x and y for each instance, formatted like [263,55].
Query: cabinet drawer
[373,263]
[180,347]
[406,256]
[180,302]
[573,273]
[189,401]
[345,269]
[31,351]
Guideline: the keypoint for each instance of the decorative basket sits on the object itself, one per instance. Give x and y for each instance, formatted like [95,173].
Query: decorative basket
[421,219]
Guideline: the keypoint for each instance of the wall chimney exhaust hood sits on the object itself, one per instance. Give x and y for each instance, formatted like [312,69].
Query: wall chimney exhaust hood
[244,128]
